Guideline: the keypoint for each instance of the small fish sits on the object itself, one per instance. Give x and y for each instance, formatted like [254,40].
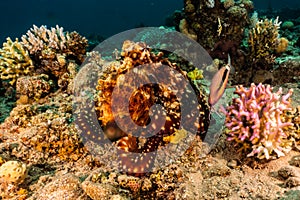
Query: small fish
[218,83]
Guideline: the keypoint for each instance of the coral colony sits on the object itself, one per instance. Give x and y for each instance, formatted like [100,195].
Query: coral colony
[255,121]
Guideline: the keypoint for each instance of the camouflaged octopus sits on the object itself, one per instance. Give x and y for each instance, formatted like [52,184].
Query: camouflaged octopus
[140,102]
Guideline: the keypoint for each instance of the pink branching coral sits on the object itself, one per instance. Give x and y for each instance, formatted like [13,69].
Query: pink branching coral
[255,121]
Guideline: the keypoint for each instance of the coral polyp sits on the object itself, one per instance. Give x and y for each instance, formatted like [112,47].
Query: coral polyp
[255,121]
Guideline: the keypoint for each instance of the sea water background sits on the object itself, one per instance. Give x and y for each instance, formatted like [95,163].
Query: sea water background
[98,17]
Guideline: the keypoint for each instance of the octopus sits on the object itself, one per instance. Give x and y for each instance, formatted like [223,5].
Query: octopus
[135,107]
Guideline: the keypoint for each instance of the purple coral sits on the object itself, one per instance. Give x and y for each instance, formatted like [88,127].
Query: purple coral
[255,120]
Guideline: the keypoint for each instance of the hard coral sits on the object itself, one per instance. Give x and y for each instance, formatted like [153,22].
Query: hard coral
[293,116]
[209,22]
[220,29]
[264,42]
[14,61]
[33,87]
[255,121]
[44,131]
[51,49]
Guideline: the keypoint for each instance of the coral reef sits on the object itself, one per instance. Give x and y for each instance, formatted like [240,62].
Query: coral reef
[214,23]
[47,52]
[156,186]
[14,61]
[46,131]
[42,153]
[255,121]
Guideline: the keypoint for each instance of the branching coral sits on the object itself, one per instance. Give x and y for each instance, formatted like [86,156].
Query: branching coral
[255,121]
[14,61]
[51,52]
[52,48]
[264,42]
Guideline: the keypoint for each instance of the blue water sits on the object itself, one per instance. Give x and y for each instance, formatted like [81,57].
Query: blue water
[101,17]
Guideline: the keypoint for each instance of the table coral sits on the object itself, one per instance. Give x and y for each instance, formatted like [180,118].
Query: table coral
[255,121]
[14,61]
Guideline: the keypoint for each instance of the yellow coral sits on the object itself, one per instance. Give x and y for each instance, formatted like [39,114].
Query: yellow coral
[264,42]
[14,61]
[178,136]
[282,45]
[196,74]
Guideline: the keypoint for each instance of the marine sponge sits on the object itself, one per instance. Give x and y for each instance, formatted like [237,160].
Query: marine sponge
[255,121]
[14,61]
[13,172]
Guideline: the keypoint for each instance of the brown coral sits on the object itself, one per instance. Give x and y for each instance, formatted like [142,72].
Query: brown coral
[33,87]
[226,20]
[45,131]
[52,49]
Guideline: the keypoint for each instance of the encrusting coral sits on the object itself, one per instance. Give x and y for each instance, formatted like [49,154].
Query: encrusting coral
[256,121]
[14,61]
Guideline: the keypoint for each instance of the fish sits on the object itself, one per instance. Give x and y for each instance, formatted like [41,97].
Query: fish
[218,83]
